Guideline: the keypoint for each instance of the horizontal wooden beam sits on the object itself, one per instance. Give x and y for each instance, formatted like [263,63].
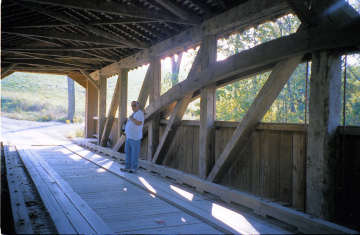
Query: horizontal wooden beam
[55,34]
[261,126]
[113,8]
[240,17]
[258,57]
[43,69]
[63,54]
[331,12]
[60,49]
[42,57]
[178,11]
[43,62]
[94,22]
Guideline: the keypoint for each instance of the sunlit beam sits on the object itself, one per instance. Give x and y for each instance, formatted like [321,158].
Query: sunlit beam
[183,193]
[147,185]
[235,220]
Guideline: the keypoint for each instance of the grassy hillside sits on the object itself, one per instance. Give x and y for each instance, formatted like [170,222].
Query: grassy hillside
[39,97]
[42,97]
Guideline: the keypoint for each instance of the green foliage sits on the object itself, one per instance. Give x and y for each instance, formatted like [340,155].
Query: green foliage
[233,100]
[352,103]
[229,98]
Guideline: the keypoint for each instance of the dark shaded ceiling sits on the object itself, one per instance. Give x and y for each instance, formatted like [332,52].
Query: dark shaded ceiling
[66,35]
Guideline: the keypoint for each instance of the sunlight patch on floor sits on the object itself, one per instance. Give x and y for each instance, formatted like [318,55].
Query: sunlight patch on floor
[147,185]
[235,220]
[71,155]
[101,170]
[183,193]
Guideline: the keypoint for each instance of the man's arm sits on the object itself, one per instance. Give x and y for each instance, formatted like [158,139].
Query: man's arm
[138,123]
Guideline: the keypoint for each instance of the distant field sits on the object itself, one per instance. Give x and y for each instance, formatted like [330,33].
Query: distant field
[39,97]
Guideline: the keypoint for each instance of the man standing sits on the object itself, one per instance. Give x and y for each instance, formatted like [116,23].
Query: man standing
[133,131]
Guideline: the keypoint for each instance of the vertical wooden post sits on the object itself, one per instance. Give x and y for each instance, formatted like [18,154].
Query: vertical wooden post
[154,124]
[123,88]
[324,117]
[207,111]
[101,106]
[91,109]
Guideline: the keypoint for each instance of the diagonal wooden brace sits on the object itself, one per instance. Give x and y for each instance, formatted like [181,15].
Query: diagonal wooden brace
[267,95]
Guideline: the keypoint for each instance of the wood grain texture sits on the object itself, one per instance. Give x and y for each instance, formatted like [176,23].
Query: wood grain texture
[20,213]
[266,96]
[303,222]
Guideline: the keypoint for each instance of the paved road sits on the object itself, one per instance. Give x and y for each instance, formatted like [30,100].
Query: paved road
[36,133]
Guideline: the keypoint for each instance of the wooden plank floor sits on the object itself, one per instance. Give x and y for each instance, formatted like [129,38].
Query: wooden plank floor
[125,207]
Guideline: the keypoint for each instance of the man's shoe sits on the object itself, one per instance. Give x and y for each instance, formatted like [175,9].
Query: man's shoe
[131,171]
[125,169]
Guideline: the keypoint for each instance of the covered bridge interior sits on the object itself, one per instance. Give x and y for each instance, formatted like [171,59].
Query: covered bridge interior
[294,173]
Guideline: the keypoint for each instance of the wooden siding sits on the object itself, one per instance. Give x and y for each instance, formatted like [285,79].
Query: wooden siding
[272,165]
[348,177]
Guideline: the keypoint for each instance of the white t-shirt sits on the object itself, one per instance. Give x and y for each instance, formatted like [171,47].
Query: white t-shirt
[132,130]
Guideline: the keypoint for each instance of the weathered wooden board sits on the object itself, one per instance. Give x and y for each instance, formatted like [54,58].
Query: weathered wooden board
[164,191]
[86,217]
[298,172]
[20,213]
[116,200]
[264,169]
[56,212]
[303,222]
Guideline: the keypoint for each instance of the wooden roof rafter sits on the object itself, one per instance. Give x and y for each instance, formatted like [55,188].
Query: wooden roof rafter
[54,34]
[127,21]
[51,49]
[140,21]
[112,8]
[57,54]
[33,58]
[97,31]
[249,13]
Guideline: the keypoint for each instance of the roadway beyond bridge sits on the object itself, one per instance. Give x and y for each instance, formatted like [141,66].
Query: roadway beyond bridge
[85,192]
